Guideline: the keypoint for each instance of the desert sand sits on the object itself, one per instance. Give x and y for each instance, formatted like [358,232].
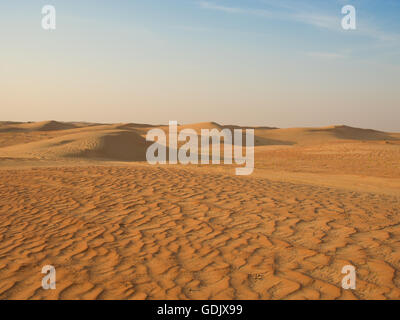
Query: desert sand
[81,197]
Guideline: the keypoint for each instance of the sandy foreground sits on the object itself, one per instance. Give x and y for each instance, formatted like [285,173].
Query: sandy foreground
[80,197]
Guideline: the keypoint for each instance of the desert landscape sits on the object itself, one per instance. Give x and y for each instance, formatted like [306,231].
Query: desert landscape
[82,198]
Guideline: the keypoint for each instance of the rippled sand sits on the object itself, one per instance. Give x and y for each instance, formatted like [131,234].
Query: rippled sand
[135,231]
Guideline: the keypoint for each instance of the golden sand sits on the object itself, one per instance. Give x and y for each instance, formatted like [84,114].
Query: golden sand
[79,197]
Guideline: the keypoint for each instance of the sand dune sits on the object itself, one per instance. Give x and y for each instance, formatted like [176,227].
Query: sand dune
[302,136]
[196,126]
[105,144]
[37,126]
[80,196]
[322,135]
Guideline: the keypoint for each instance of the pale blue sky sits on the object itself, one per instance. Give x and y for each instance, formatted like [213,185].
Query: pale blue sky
[257,62]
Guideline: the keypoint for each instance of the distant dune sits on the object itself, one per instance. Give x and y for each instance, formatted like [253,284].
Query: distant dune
[104,144]
[37,126]
[309,136]
[126,141]
[48,126]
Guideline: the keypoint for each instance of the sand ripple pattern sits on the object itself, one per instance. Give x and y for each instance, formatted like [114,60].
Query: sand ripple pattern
[165,233]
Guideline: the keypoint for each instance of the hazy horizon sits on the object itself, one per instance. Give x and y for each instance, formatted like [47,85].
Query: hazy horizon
[195,123]
[255,63]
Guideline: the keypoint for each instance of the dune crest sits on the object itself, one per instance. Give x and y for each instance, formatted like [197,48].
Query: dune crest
[47,126]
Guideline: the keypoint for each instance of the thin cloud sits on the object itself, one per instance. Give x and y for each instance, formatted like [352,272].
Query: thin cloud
[209,5]
[315,19]
[302,13]
[326,55]
[213,6]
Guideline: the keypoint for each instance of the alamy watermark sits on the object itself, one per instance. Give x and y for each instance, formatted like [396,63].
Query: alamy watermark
[349,21]
[349,280]
[49,17]
[196,152]
[49,280]
[189,152]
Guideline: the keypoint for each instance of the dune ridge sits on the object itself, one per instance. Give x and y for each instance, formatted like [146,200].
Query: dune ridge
[84,134]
